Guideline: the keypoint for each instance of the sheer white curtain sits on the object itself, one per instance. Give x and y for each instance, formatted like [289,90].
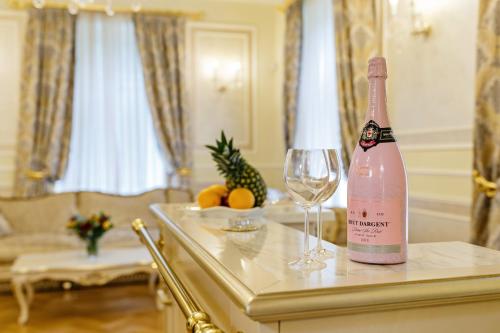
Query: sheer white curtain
[318,123]
[113,147]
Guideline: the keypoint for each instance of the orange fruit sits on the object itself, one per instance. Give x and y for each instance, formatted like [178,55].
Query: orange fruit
[208,198]
[241,198]
[220,189]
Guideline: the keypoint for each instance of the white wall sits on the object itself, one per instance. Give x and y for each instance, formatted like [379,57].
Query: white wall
[11,31]
[431,101]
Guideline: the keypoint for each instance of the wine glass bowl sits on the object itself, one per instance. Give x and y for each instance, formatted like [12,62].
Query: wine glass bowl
[334,175]
[306,175]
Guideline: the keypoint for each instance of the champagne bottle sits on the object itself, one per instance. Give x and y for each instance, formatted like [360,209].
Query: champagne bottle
[377,199]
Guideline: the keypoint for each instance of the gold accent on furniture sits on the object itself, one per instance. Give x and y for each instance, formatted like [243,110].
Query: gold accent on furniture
[26,4]
[484,185]
[198,321]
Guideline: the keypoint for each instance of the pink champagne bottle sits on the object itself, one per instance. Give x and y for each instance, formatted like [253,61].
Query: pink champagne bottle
[377,199]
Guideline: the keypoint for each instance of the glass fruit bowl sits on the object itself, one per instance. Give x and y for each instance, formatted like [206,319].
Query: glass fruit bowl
[235,219]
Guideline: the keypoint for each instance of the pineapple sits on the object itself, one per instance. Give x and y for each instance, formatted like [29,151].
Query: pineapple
[237,172]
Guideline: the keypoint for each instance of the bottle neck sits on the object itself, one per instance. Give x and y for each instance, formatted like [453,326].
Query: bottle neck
[377,102]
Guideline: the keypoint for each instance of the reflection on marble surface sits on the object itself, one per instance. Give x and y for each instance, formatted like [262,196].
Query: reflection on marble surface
[259,259]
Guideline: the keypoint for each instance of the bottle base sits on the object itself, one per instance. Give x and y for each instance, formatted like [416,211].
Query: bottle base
[377,258]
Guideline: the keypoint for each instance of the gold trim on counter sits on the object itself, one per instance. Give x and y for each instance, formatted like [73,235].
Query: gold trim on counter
[198,321]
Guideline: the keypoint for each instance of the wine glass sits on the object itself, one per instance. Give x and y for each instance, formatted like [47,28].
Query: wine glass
[333,183]
[306,175]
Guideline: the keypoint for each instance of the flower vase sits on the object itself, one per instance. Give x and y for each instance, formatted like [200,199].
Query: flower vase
[92,247]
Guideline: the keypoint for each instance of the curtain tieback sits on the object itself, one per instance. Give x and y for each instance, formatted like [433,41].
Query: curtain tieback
[484,185]
[37,175]
[184,172]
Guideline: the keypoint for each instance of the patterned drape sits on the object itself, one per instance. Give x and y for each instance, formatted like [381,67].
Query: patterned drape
[486,204]
[355,43]
[46,101]
[161,45]
[293,51]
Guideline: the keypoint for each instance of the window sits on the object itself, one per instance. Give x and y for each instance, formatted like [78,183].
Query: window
[318,124]
[113,146]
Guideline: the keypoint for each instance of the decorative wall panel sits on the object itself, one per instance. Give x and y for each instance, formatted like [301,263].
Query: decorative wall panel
[221,82]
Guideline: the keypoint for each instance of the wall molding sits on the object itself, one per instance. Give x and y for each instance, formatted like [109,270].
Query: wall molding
[7,152]
[439,172]
[444,129]
[441,138]
[450,208]
[440,215]
[423,206]
[437,147]
[7,168]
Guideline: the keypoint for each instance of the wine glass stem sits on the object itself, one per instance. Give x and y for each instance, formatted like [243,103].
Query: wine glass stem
[306,233]
[319,226]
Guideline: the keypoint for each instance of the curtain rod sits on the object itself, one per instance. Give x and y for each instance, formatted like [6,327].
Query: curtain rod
[26,4]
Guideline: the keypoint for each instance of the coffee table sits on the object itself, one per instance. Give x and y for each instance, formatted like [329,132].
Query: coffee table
[77,267]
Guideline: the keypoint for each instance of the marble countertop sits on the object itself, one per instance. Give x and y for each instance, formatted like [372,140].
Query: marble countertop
[252,268]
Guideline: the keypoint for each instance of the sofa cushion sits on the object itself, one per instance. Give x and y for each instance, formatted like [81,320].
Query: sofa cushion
[39,215]
[125,237]
[122,209]
[16,244]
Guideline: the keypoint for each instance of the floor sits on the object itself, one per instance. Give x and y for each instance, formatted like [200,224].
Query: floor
[123,309]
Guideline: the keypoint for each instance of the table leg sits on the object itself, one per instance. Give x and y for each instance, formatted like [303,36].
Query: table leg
[22,300]
[30,292]
[153,277]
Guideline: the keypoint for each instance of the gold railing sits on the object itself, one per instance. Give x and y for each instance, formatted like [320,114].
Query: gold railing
[198,321]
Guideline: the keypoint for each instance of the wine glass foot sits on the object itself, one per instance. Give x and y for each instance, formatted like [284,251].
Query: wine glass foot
[322,254]
[307,264]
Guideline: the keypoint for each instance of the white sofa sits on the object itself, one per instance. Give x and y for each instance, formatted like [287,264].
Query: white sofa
[39,224]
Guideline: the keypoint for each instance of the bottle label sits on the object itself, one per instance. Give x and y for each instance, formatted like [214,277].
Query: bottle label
[374,226]
[373,134]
